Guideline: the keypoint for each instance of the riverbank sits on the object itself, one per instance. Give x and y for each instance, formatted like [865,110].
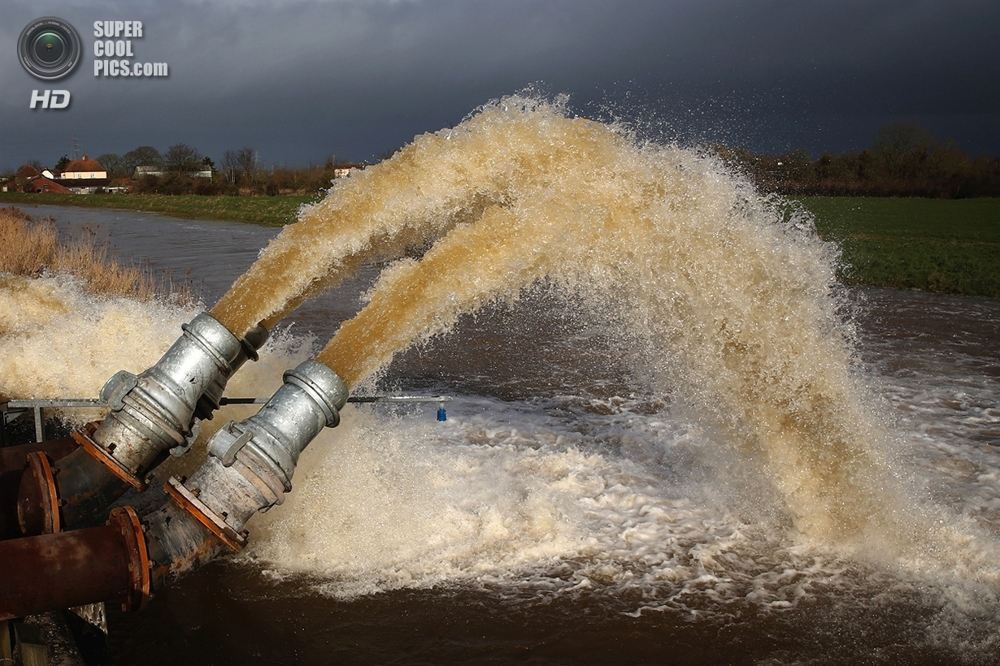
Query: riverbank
[267,211]
[937,245]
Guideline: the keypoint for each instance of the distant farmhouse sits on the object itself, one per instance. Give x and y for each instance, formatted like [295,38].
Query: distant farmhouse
[85,169]
[83,176]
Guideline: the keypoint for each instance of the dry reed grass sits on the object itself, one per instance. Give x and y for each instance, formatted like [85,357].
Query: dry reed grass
[32,248]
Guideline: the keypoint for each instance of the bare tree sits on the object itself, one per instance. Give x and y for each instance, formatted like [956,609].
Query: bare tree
[231,167]
[248,162]
[182,158]
[141,156]
[901,147]
[114,165]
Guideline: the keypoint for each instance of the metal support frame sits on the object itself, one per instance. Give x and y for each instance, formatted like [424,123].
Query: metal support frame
[13,409]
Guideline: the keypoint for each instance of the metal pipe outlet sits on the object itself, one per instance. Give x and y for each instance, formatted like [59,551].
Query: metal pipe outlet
[248,470]
[152,413]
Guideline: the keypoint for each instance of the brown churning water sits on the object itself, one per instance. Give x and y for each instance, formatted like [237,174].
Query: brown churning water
[722,298]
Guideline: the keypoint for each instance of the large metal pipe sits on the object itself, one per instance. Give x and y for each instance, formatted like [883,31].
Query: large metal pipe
[249,470]
[154,412]
[14,458]
[151,415]
[54,571]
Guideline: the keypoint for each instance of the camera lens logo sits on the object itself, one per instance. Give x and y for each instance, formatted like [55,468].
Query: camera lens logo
[49,48]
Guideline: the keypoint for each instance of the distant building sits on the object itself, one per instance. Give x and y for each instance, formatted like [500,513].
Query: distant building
[84,176]
[84,169]
[42,185]
[344,170]
[27,171]
[20,179]
[141,171]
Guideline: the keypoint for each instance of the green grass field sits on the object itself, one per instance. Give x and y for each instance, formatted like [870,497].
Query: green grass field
[950,246]
[267,211]
[942,245]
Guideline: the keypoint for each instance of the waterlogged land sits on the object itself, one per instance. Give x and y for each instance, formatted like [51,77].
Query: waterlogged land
[938,245]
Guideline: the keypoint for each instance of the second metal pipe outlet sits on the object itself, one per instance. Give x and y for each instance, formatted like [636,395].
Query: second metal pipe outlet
[250,464]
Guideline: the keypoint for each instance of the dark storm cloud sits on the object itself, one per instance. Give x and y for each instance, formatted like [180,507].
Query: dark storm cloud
[301,80]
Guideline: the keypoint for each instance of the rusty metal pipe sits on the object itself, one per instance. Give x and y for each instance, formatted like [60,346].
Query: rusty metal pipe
[54,571]
[14,458]
[152,415]
[248,471]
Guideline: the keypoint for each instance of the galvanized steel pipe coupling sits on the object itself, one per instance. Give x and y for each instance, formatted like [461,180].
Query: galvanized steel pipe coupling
[251,463]
[156,410]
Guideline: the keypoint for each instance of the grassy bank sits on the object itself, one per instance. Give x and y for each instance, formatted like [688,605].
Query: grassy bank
[267,211]
[32,248]
[948,246]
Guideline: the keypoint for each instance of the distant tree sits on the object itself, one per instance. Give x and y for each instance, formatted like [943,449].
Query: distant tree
[231,167]
[901,149]
[36,164]
[142,156]
[796,165]
[182,158]
[208,163]
[242,167]
[61,164]
[248,162]
[114,165]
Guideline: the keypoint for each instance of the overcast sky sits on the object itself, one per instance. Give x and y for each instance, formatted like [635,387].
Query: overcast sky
[300,80]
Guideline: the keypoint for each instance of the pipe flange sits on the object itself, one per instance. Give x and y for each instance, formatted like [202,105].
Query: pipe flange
[139,566]
[198,510]
[237,440]
[254,340]
[83,437]
[38,497]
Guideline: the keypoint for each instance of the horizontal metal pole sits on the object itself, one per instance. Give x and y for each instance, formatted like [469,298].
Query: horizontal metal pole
[17,407]
[94,402]
[374,398]
[72,402]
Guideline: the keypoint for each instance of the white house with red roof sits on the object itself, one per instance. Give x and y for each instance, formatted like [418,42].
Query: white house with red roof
[83,169]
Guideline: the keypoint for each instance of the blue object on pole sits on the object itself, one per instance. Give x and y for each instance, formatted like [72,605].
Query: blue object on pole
[442,414]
